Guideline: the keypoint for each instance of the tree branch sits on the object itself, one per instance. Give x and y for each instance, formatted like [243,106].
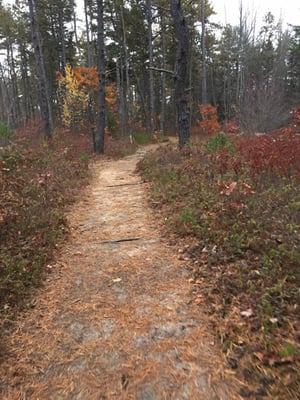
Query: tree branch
[162,70]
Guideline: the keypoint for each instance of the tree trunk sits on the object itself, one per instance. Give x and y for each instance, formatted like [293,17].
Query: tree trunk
[99,136]
[191,64]
[142,98]
[126,56]
[239,54]
[203,48]
[27,98]
[3,95]
[6,98]
[121,97]
[150,50]
[88,41]
[163,74]
[15,112]
[180,72]
[44,99]
[76,33]
[63,60]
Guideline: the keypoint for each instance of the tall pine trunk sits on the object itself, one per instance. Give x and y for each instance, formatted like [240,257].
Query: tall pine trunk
[63,56]
[43,92]
[88,40]
[15,111]
[180,72]
[151,79]
[99,136]
[129,100]
[163,74]
[121,96]
[203,48]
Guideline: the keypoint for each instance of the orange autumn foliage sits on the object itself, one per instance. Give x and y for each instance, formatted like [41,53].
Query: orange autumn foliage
[85,78]
[77,92]
[209,124]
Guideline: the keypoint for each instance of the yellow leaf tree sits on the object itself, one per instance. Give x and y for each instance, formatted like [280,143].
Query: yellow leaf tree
[77,90]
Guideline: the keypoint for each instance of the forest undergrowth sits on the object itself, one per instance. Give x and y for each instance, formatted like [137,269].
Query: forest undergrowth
[233,205]
[38,181]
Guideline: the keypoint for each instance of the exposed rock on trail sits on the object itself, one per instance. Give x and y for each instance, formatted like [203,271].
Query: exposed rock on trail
[114,319]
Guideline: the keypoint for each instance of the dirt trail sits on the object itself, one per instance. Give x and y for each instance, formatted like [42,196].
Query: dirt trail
[113,320]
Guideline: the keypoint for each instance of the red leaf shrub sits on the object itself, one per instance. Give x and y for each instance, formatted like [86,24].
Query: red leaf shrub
[277,153]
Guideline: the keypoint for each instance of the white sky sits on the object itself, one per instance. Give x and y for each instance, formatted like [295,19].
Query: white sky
[228,11]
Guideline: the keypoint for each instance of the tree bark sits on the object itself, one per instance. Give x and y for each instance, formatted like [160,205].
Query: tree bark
[4,96]
[15,111]
[129,100]
[25,80]
[63,60]
[151,81]
[99,136]
[203,48]
[76,33]
[121,96]
[44,98]
[163,74]
[180,72]
[88,40]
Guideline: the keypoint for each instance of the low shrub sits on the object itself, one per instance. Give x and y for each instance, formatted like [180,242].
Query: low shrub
[36,185]
[6,134]
[235,202]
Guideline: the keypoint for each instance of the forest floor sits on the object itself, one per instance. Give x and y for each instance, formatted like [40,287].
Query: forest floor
[114,318]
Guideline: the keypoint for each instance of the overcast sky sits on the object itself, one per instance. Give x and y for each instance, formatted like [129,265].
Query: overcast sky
[228,10]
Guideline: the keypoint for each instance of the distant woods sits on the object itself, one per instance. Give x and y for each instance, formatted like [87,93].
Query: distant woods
[252,75]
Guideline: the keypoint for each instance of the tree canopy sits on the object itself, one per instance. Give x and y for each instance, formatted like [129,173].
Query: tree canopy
[253,77]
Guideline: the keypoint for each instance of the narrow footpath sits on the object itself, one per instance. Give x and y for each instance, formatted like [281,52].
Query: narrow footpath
[114,319]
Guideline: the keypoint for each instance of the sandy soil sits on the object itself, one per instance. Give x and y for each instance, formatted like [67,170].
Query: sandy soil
[114,319]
